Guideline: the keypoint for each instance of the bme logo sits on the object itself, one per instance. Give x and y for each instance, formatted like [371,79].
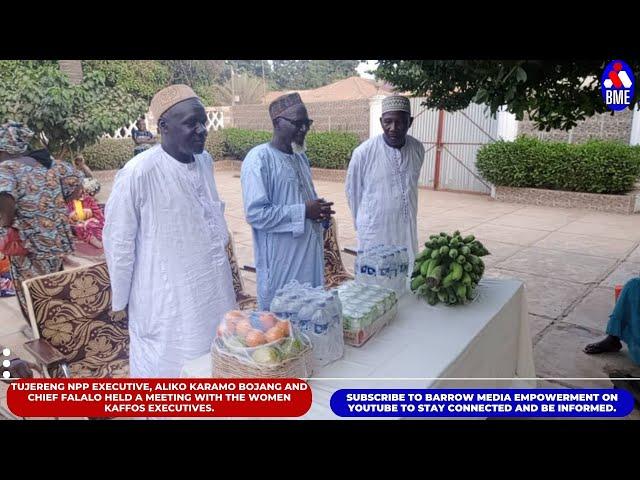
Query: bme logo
[618,85]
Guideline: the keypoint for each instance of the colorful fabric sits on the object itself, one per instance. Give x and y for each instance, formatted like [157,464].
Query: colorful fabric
[26,267]
[6,285]
[70,178]
[41,212]
[83,228]
[624,321]
[14,138]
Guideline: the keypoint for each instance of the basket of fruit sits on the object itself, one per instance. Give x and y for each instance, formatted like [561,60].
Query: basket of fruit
[260,345]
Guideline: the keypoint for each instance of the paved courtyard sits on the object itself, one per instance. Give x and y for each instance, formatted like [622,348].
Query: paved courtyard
[569,260]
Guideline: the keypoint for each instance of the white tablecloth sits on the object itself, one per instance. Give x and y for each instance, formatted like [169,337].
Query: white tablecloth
[476,344]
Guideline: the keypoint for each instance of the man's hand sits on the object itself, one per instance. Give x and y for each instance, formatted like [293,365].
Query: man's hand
[318,209]
[119,315]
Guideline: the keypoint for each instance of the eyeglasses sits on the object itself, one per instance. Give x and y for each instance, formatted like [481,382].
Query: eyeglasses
[299,123]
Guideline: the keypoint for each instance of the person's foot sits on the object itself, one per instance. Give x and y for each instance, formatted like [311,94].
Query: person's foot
[94,242]
[609,344]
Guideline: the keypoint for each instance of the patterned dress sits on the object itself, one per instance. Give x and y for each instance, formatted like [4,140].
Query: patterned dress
[40,218]
[91,227]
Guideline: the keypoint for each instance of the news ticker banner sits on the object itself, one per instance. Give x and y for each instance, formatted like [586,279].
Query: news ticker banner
[293,397]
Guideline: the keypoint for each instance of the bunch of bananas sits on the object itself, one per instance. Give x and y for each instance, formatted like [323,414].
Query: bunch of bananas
[448,269]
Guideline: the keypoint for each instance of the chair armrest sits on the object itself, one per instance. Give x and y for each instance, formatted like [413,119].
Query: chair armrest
[44,352]
[350,251]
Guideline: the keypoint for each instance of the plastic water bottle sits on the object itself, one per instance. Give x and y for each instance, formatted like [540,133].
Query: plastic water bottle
[338,304]
[318,332]
[293,305]
[279,305]
[305,316]
[384,271]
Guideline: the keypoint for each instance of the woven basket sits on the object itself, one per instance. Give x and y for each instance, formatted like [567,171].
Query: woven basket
[229,365]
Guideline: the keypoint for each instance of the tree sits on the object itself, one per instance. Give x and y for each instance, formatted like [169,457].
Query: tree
[140,78]
[555,95]
[200,75]
[65,117]
[306,74]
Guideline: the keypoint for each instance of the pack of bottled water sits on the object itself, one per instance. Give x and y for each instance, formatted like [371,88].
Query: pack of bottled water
[384,265]
[315,312]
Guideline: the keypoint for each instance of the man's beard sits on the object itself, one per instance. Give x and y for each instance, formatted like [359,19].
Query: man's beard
[297,148]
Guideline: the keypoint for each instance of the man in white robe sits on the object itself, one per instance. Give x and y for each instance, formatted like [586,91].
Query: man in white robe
[382,181]
[164,241]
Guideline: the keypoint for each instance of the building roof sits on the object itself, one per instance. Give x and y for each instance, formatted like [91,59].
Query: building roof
[352,88]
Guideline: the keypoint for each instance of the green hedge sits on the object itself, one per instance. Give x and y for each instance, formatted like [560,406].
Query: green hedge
[238,141]
[109,154]
[215,144]
[324,149]
[595,166]
[331,149]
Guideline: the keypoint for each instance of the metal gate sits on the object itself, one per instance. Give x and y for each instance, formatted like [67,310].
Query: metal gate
[451,142]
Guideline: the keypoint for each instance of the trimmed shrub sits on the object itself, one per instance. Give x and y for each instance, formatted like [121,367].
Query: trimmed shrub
[594,167]
[215,144]
[324,149]
[109,154]
[331,149]
[239,141]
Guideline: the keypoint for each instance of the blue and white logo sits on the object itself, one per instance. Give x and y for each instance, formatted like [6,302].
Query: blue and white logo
[618,85]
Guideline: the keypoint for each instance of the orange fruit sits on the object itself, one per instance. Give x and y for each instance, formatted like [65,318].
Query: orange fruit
[254,338]
[243,327]
[274,334]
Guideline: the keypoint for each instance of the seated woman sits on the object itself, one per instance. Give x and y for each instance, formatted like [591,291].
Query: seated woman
[86,216]
[624,324]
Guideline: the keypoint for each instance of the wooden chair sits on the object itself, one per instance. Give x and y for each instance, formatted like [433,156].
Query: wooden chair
[245,301]
[75,332]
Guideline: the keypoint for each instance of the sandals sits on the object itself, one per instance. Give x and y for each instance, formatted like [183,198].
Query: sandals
[602,346]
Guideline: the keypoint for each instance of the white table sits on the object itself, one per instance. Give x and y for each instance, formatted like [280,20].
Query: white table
[466,346]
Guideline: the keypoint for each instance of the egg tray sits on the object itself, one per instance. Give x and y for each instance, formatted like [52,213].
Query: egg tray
[226,364]
[357,338]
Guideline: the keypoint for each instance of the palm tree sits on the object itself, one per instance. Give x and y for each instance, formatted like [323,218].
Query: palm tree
[249,89]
